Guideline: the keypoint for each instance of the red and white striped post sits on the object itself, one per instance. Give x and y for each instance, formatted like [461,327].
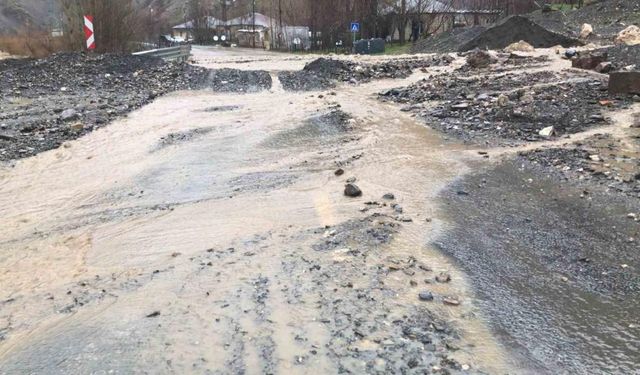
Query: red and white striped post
[88,32]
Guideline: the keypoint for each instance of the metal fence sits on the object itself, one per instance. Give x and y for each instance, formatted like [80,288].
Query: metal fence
[179,53]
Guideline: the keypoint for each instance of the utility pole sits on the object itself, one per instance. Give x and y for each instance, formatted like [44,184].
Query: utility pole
[253,11]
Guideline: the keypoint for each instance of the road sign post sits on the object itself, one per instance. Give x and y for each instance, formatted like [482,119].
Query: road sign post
[355,28]
[89,33]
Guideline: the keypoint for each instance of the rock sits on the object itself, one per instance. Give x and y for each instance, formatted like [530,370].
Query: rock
[339,172]
[570,52]
[68,114]
[351,190]
[351,180]
[520,46]
[451,301]
[589,61]
[604,67]
[153,314]
[78,126]
[586,30]
[425,296]
[595,157]
[480,59]
[624,83]
[443,277]
[389,196]
[459,106]
[629,36]
[547,132]
[7,137]
[503,100]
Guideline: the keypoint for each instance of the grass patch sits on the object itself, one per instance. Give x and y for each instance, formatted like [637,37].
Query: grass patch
[397,48]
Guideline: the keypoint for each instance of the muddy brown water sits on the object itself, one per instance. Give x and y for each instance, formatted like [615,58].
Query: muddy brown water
[175,240]
[207,233]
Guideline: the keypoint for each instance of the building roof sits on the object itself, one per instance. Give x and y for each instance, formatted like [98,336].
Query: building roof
[247,19]
[211,22]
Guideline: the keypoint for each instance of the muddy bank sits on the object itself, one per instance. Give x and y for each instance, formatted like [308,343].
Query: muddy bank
[326,73]
[556,272]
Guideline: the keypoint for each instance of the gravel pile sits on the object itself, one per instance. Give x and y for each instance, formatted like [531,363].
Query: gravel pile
[448,41]
[506,108]
[46,102]
[325,73]
[497,36]
[241,81]
[514,29]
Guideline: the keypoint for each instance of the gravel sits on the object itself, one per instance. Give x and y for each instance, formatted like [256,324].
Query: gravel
[239,81]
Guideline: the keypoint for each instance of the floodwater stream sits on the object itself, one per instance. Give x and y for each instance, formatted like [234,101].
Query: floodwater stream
[208,233]
[171,240]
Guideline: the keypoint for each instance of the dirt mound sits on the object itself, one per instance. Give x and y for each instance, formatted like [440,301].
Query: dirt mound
[447,42]
[514,29]
[45,102]
[324,73]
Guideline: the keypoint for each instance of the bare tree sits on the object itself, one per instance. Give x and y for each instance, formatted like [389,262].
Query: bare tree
[115,23]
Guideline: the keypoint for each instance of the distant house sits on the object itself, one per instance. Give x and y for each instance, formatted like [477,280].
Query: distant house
[251,30]
[185,31]
[437,17]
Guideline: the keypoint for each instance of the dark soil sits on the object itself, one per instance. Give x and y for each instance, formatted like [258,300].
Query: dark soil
[557,271]
[470,108]
[448,41]
[239,81]
[325,73]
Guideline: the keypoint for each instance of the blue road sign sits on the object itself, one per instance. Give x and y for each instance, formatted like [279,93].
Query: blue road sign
[355,27]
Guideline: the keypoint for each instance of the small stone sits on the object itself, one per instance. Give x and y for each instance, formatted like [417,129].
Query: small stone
[68,114]
[425,296]
[595,157]
[389,196]
[451,301]
[547,132]
[443,277]
[503,100]
[351,190]
[78,126]
[339,172]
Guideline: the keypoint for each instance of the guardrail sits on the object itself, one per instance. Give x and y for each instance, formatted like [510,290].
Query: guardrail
[179,53]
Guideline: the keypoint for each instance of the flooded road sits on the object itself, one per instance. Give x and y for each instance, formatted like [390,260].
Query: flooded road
[208,233]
